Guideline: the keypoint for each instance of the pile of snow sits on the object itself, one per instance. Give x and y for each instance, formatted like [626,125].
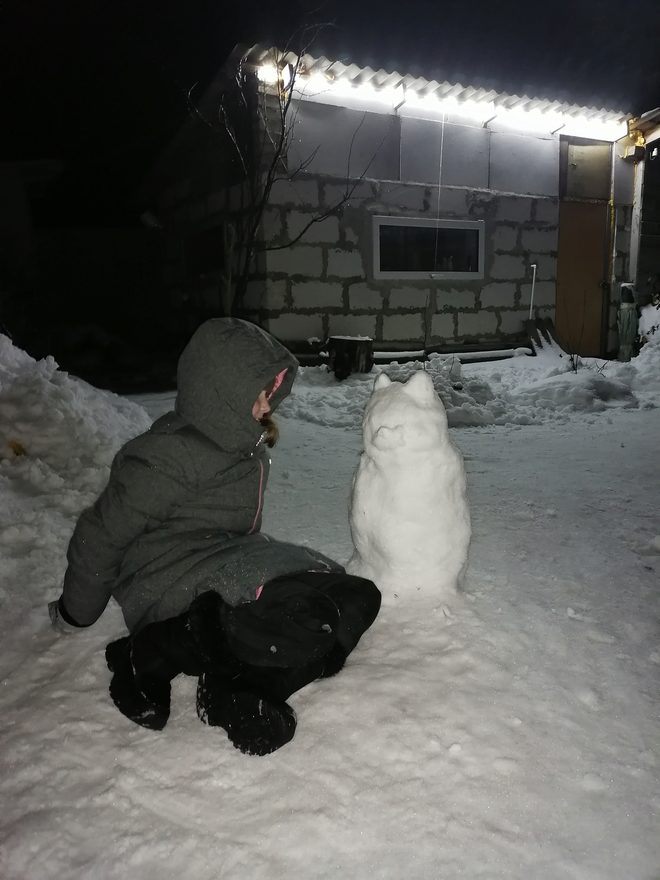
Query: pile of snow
[649,324]
[409,514]
[58,436]
[514,737]
[62,422]
[644,370]
[517,391]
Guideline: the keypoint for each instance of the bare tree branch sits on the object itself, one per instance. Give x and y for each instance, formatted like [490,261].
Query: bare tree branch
[260,123]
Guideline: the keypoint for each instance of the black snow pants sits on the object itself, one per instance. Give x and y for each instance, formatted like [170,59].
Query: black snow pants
[248,658]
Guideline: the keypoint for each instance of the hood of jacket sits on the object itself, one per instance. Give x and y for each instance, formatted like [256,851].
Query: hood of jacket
[222,371]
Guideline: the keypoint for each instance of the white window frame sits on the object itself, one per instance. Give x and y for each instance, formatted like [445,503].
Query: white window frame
[379,221]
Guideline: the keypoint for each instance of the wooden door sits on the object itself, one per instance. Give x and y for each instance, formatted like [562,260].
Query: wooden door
[582,272]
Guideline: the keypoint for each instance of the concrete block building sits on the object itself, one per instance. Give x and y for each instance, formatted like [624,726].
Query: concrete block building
[450,214]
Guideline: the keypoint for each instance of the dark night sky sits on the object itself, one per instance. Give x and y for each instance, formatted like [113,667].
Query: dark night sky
[101,85]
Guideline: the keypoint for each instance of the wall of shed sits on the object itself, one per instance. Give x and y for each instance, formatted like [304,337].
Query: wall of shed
[396,165]
[414,167]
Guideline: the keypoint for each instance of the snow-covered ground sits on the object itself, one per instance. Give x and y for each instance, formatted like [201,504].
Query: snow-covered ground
[512,734]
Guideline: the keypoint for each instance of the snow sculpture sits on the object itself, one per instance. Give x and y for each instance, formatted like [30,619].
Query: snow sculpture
[409,513]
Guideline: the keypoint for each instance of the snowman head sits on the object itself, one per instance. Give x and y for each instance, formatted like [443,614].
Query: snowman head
[404,417]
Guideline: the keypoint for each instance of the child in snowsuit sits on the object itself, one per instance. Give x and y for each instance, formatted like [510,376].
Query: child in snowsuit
[175,539]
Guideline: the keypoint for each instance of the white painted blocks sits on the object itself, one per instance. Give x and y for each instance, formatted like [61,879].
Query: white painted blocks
[351,235]
[405,196]
[424,199]
[541,241]
[296,260]
[324,276]
[546,312]
[345,264]
[265,294]
[477,324]
[316,295]
[455,298]
[547,211]
[408,298]
[513,323]
[361,296]
[297,192]
[442,326]
[514,209]
[498,295]
[544,294]
[326,230]
[352,325]
[336,194]
[295,327]
[546,267]
[504,238]
[403,327]
[275,296]
[507,267]
[271,224]
[453,202]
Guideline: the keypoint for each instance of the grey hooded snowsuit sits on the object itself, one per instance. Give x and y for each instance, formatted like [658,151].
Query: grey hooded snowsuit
[181,513]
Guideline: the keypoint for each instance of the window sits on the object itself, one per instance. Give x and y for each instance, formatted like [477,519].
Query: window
[407,247]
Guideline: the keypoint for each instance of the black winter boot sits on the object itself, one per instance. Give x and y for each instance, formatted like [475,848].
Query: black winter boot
[255,724]
[144,665]
[142,698]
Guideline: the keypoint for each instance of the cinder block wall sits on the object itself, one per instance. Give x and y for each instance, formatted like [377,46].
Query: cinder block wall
[410,167]
[323,284]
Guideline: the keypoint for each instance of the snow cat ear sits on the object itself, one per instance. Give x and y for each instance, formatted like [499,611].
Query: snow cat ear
[382,381]
[420,386]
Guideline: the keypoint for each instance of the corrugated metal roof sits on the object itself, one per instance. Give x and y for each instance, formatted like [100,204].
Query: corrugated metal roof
[353,75]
